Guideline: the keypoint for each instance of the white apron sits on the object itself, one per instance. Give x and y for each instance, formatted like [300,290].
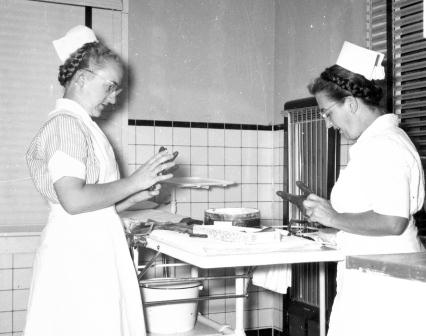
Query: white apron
[355,309]
[84,281]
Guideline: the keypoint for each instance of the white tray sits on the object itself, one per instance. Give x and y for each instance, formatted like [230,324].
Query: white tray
[197,182]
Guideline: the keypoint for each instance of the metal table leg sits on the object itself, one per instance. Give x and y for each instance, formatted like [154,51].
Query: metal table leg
[239,303]
[322,309]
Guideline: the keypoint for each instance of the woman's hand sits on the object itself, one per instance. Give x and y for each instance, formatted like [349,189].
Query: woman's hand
[138,197]
[149,173]
[319,210]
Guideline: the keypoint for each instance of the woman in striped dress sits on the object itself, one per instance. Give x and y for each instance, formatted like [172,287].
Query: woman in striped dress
[84,281]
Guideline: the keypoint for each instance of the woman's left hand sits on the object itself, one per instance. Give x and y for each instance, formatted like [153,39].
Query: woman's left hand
[319,210]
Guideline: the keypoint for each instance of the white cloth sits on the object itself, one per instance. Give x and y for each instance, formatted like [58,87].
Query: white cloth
[84,282]
[385,175]
[276,278]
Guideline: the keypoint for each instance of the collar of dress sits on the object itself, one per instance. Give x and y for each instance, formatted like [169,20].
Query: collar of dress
[378,126]
[74,107]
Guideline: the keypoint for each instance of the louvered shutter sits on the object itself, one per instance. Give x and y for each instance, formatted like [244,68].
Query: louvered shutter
[410,70]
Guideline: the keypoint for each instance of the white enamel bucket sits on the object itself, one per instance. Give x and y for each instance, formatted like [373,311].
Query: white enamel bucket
[175,317]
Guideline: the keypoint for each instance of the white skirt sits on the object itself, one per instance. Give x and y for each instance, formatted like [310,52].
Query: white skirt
[84,281]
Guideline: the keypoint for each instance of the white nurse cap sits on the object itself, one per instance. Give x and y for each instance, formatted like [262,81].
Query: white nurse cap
[74,39]
[362,61]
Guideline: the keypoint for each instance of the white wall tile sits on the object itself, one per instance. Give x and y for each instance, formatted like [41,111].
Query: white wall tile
[265,156]
[163,136]
[144,153]
[265,192]
[22,260]
[217,172]
[181,136]
[216,155]
[6,301]
[5,322]
[145,135]
[278,175]
[249,174]
[233,193]
[216,195]
[216,137]
[131,134]
[249,138]
[22,278]
[266,299]
[20,299]
[265,139]
[266,318]
[230,303]
[249,156]
[5,261]
[265,209]
[219,317]
[232,138]
[232,156]
[233,173]
[230,319]
[216,306]
[264,174]
[233,204]
[6,279]
[249,192]
[199,195]
[198,136]
[199,155]
[131,154]
[217,205]
[252,205]
[19,320]
[278,319]
[199,171]
[197,210]
[184,209]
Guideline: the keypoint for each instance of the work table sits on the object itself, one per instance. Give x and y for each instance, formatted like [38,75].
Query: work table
[409,266]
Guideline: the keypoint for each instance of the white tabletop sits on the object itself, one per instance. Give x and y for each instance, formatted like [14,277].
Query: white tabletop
[208,253]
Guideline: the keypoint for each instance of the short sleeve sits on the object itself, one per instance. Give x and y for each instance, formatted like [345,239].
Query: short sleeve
[65,148]
[390,179]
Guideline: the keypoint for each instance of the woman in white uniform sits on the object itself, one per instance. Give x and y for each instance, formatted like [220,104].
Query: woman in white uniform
[375,197]
[84,281]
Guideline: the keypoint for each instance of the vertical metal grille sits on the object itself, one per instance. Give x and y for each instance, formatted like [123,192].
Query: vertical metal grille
[312,156]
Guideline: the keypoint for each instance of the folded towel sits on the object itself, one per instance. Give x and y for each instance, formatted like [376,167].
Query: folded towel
[276,278]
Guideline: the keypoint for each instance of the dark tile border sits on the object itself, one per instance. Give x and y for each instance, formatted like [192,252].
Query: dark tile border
[192,124]
[264,332]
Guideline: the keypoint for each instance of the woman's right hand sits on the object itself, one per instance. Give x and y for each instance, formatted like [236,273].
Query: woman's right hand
[149,173]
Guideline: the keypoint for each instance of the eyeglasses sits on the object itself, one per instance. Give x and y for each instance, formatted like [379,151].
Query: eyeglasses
[325,112]
[112,88]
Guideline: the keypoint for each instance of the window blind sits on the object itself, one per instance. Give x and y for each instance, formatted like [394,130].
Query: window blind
[410,70]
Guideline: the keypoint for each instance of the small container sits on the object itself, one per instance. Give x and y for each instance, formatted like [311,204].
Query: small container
[174,317]
[247,217]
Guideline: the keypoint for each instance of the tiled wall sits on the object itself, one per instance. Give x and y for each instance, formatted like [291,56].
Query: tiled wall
[16,259]
[250,155]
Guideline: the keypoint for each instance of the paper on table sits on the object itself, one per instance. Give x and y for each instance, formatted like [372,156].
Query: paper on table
[211,247]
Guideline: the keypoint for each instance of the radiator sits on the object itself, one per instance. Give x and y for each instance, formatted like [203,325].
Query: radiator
[313,152]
